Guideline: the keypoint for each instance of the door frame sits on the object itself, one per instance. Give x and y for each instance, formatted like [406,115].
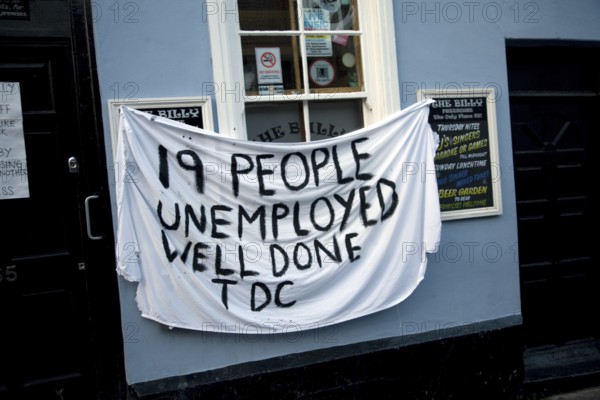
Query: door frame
[106,366]
[550,365]
[549,44]
[103,293]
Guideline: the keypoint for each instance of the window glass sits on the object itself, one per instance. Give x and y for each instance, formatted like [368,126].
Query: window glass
[341,13]
[271,65]
[261,15]
[332,119]
[333,60]
[274,122]
[315,74]
[338,70]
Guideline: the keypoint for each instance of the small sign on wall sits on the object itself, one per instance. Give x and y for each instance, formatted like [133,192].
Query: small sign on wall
[268,65]
[321,72]
[466,160]
[13,158]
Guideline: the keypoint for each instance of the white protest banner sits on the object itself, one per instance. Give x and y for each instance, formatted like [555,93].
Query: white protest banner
[222,233]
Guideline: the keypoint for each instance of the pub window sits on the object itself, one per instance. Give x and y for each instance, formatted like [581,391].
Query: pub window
[307,69]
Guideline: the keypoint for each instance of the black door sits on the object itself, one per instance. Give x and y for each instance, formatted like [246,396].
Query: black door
[554,104]
[59,324]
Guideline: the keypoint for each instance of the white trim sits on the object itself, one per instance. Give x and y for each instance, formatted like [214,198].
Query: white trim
[228,76]
[304,59]
[300,32]
[316,96]
[379,66]
[379,49]
[140,104]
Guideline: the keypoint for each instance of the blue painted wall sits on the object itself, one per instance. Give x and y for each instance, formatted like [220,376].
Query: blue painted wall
[148,49]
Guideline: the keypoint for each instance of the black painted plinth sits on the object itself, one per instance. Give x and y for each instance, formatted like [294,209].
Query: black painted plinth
[486,365]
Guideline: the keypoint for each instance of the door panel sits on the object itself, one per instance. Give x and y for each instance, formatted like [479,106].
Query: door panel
[552,118]
[46,325]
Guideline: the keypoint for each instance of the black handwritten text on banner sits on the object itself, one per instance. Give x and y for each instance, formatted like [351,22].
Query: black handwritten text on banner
[227,232]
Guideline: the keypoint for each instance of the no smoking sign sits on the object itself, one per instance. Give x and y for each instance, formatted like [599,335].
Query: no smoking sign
[268,65]
[268,59]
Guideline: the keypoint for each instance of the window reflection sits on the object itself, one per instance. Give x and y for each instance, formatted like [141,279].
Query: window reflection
[333,119]
[274,122]
[283,122]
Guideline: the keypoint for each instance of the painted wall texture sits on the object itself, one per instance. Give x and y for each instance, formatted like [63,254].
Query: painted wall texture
[148,49]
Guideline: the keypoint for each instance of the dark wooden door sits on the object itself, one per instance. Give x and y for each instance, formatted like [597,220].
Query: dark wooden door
[59,331]
[43,290]
[554,103]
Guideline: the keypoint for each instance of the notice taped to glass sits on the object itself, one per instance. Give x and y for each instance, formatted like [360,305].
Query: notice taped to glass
[14,183]
[14,9]
[466,160]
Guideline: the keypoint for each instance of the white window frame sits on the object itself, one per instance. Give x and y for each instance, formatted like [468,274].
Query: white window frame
[381,96]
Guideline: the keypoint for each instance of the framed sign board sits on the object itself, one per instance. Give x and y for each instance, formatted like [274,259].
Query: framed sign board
[195,111]
[466,161]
